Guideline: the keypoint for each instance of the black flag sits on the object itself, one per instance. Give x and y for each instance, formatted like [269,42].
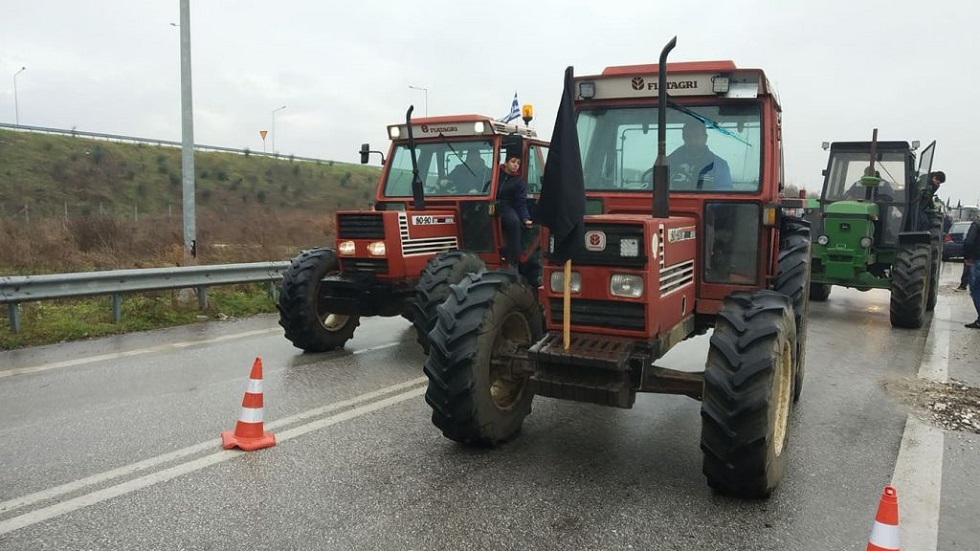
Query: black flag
[561,205]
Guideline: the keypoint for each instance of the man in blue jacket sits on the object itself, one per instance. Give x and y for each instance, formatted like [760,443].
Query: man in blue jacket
[512,206]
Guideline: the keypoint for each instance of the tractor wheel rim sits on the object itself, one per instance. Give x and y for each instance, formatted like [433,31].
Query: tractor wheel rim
[781,394]
[333,322]
[505,389]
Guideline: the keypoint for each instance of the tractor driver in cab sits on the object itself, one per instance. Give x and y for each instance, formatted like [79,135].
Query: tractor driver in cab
[472,175]
[512,206]
[694,166]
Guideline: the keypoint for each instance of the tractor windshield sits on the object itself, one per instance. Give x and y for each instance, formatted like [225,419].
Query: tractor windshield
[461,167]
[710,148]
[846,168]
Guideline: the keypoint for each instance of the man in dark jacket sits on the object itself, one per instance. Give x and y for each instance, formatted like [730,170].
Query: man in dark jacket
[512,206]
[971,255]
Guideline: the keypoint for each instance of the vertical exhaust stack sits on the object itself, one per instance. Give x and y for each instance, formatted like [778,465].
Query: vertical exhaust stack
[661,171]
[418,192]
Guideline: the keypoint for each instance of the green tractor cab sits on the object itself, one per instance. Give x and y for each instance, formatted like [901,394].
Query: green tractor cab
[875,226]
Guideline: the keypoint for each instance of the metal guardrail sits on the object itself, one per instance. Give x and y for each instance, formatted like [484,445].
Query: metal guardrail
[150,141]
[17,289]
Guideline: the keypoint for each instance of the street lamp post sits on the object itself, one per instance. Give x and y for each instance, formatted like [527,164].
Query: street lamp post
[274,111]
[425,97]
[16,108]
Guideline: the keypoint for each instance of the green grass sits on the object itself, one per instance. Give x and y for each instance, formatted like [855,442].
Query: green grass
[49,322]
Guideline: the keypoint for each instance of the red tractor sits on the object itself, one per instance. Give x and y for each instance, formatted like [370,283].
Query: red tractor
[432,223]
[704,245]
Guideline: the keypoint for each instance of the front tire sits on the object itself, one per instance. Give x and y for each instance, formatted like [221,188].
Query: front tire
[442,270]
[910,286]
[308,325]
[477,395]
[747,398]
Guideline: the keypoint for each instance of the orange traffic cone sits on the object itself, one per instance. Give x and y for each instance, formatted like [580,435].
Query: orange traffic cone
[884,531]
[249,433]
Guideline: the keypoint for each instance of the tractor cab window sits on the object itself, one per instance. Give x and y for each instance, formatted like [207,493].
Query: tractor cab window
[536,155]
[846,169]
[460,167]
[731,244]
[710,148]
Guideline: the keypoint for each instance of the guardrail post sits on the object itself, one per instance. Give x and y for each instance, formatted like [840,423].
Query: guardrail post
[202,297]
[13,311]
[272,289]
[116,307]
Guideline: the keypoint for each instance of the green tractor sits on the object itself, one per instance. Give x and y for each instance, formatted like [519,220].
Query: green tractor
[876,226]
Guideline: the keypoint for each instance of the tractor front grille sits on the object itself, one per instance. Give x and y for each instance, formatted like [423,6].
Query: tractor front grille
[366,265]
[601,313]
[360,226]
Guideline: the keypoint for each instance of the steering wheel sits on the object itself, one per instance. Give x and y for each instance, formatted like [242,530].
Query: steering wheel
[647,178]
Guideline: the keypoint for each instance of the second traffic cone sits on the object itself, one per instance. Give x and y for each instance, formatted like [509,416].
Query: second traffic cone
[884,531]
[249,433]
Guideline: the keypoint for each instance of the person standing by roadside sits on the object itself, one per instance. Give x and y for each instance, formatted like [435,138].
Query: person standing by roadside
[971,255]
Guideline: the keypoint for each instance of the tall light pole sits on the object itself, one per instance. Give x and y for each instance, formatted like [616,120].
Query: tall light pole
[187,135]
[274,111]
[425,97]
[16,108]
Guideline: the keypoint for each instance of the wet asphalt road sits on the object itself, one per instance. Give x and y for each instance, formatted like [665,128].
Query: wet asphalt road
[113,444]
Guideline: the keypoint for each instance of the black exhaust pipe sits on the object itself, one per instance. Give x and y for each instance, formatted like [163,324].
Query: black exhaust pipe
[661,171]
[418,191]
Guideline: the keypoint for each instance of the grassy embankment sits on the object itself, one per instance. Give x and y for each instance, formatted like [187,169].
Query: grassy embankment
[71,204]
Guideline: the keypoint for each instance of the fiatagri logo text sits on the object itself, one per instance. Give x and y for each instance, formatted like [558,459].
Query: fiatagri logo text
[639,84]
[436,129]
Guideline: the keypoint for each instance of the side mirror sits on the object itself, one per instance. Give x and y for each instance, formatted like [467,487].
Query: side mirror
[365,151]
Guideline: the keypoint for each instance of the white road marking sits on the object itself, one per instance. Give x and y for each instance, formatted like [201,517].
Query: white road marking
[130,353]
[50,493]
[918,472]
[98,496]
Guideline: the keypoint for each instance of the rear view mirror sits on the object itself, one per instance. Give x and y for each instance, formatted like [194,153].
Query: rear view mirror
[365,151]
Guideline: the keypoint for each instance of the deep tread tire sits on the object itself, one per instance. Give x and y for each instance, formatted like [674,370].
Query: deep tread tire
[440,272]
[474,401]
[747,396]
[793,280]
[306,326]
[910,286]
[819,292]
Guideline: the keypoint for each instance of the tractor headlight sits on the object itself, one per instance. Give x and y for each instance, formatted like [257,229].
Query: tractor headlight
[346,247]
[558,282]
[866,242]
[394,132]
[823,240]
[377,248]
[626,285]
[629,247]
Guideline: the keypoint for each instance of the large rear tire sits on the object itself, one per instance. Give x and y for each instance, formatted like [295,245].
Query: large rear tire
[793,280]
[442,270]
[910,285]
[308,325]
[747,397]
[478,397]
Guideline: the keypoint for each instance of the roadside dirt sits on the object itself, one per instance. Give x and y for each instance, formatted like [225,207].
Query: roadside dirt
[951,406]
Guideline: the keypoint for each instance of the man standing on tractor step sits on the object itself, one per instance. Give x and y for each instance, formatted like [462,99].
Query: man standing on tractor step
[512,206]
[971,255]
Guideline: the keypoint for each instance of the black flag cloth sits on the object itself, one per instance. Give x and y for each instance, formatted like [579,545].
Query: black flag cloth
[561,205]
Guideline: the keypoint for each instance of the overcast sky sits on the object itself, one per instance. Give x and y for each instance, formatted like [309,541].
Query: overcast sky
[343,69]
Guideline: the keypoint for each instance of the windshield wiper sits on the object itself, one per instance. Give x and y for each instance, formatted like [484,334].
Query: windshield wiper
[707,122]
[451,148]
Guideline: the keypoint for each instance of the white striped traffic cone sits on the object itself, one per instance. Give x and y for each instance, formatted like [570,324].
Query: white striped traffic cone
[249,433]
[884,531]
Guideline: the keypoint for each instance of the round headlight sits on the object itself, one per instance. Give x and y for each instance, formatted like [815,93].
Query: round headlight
[823,240]
[866,242]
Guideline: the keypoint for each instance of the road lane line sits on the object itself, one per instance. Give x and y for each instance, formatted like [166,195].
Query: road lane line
[918,472]
[169,347]
[74,504]
[130,353]
[50,493]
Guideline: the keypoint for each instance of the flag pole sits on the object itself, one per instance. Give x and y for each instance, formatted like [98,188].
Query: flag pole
[567,304]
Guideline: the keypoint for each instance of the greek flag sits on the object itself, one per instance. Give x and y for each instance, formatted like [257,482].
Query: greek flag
[515,111]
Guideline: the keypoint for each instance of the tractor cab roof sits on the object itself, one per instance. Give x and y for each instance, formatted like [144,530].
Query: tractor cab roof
[457,126]
[690,78]
[866,146]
